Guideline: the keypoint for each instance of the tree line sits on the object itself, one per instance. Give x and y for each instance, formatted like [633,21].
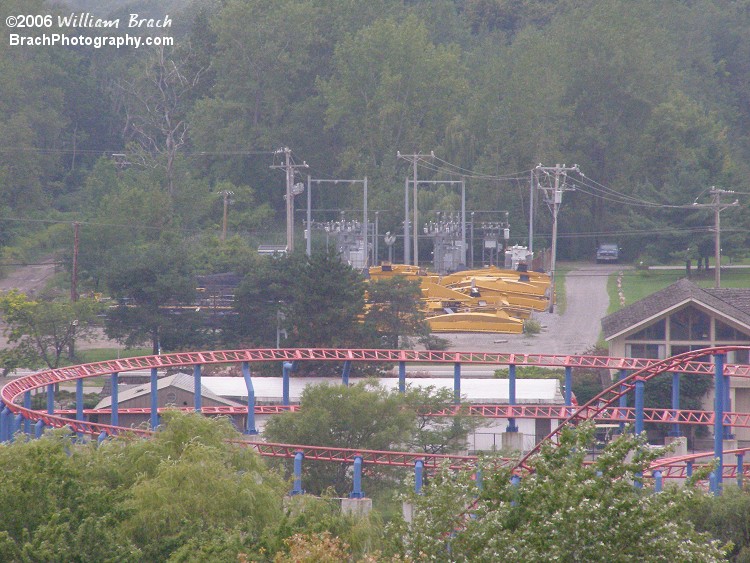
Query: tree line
[286,300]
[649,98]
[193,493]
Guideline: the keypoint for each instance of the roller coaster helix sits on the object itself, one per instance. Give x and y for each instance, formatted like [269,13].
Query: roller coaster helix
[16,407]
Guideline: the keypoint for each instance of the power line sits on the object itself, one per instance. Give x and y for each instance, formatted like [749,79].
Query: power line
[553,195]
[108,152]
[459,171]
[718,207]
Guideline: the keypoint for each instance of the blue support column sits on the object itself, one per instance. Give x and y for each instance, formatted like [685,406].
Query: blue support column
[568,386]
[297,485]
[79,403]
[457,382]
[115,416]
[154,398]
[345,372]
[675,404]
[689,468]
[250,426]
[38,429]
[623,403]
[511,396]
[100,439]
[197,388]
[740,469]
[51,399]
[478,479]
[17,422]
[5,424]
[79,399]
[402,377]
[718,424]
[658,481]
[639,388]
[285,369]
[357,479]
[27,405]
[418,476]
[728,435]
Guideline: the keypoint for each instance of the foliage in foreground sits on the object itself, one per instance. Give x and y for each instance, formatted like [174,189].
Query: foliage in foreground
[186,495]
[564,511]
[368,416]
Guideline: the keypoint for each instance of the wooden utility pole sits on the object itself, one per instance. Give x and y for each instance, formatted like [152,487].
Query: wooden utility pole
[74,289]
[718,207]
[289,169]
[554,199]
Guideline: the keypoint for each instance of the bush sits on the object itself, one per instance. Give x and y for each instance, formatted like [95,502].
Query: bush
[531,327]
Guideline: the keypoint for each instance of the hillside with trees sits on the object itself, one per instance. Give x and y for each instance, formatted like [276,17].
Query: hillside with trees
[141,146]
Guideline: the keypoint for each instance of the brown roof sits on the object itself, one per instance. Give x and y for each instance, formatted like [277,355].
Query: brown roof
[733,303]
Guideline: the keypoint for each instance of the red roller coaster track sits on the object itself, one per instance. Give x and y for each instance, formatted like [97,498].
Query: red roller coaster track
[602,408]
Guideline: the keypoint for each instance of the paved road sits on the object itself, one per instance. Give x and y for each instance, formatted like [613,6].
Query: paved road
[574,332]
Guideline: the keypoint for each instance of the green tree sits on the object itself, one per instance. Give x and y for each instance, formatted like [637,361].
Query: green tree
[319,297]
[155,289]
[43,330]
[565,508]
[358,416]
[193,485]
[393,310]
[727,518]
[438,434]
[392,89]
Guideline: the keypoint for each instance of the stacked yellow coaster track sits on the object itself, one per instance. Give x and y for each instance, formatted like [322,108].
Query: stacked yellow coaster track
[486,300]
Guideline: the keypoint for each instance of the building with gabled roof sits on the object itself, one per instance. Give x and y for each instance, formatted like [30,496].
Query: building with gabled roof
[684,317]
[680,318]
[176,390]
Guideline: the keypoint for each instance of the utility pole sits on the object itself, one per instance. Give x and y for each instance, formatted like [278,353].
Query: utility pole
[718,207]
[74,275]
[74,288]
[291,191]
[531,214]
[227,194]
[414,158]
[553,196]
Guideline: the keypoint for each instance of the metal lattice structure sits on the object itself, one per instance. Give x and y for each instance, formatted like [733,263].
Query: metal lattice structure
[603,408]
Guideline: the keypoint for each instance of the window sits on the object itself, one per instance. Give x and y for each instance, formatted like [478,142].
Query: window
[655,331]
[649,351]
[738,357]
[726,332]
[689,324]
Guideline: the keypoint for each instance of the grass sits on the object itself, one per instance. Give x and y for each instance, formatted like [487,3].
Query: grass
[104,354]
[639,284]
[560,297]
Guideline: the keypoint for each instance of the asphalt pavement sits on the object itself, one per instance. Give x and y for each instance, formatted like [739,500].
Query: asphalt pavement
[575,331]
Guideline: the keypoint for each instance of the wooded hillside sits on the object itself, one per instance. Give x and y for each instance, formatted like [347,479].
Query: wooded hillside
[650,98]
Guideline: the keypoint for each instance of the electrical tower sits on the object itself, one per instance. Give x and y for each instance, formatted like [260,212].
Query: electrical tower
[292,189]
[557,175]
[413,158]
[718,207]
